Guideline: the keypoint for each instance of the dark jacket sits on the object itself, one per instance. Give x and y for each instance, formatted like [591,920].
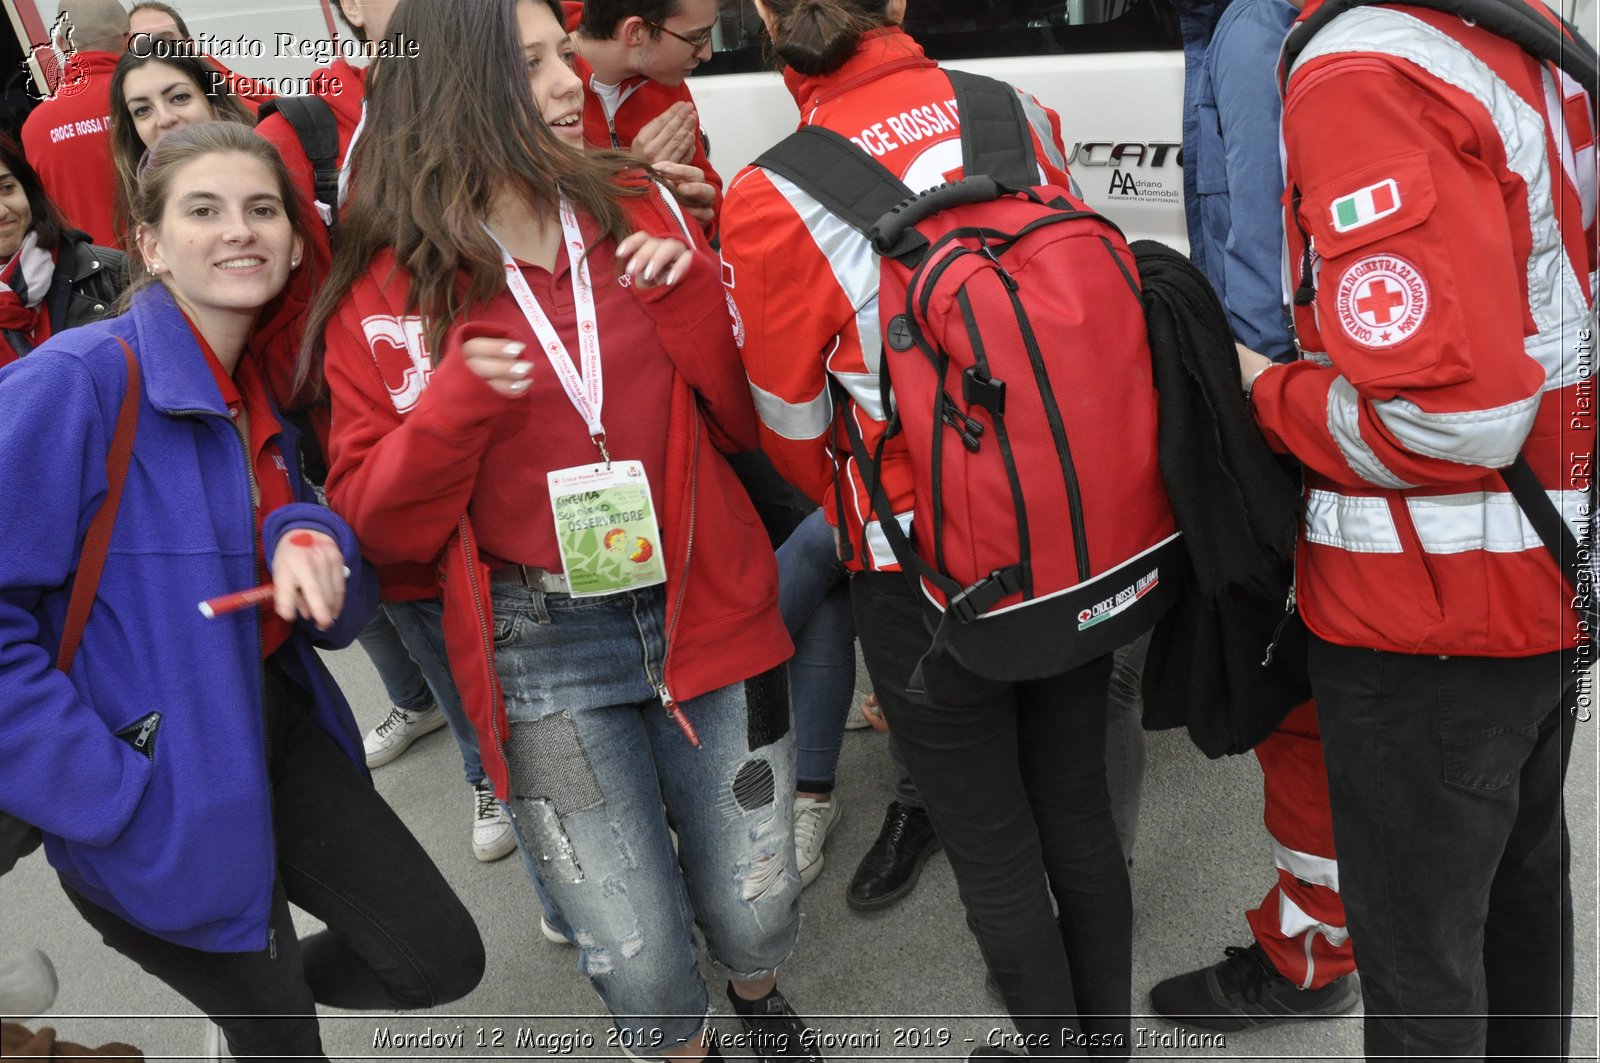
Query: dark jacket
[87,281]
[1233,178]
[1238,508]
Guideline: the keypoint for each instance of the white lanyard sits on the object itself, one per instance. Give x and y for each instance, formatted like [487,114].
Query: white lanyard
[585,387]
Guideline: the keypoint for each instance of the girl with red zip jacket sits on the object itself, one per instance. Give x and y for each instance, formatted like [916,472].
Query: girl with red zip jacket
[533,374]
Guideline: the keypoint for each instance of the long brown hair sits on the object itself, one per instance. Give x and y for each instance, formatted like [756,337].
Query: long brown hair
[817,36]
[127,149]
[445,132]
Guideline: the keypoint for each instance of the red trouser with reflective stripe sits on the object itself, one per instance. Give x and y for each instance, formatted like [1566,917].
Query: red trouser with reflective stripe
[1301,923]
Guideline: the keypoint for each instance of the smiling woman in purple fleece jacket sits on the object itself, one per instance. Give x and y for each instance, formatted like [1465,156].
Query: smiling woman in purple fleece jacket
[194,776]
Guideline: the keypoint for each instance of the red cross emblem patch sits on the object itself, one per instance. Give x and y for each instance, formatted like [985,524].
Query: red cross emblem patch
[1382,300]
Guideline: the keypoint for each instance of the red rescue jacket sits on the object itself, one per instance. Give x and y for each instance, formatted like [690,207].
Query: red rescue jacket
[1453,237]
[805,284]
[404,480]
[642,100]
[67,139]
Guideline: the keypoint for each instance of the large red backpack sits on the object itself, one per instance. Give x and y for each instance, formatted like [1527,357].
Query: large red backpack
[1017,369]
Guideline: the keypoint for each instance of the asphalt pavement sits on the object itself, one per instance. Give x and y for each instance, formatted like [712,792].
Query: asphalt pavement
[906,983]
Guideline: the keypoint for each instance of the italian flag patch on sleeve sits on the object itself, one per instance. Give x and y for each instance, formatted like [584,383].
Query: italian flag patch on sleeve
[1365,206]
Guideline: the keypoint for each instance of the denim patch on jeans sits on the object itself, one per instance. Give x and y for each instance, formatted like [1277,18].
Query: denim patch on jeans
[598,770]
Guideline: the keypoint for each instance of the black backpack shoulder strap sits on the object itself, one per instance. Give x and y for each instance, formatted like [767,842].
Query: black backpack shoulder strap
[1514,20]
[996,138]
[318,131]
[837,174]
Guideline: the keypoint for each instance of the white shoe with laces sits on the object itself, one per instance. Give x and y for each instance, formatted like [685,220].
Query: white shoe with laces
[813,821]
[399,729]
[492,834]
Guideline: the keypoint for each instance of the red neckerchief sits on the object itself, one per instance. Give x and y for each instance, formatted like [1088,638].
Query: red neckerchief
[17,316]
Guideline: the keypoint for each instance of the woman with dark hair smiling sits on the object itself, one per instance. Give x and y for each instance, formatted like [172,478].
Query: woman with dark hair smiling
[51,277]
[157,90]
[534,381]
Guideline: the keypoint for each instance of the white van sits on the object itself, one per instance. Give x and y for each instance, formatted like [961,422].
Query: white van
[1111,68]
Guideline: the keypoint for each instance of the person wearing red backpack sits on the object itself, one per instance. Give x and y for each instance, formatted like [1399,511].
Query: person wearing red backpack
[1441,238]
[1013,773]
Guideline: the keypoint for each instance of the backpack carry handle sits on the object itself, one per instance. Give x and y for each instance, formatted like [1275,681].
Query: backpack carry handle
[887,233]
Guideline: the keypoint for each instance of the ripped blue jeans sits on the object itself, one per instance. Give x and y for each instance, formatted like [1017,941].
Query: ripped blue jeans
[599,771]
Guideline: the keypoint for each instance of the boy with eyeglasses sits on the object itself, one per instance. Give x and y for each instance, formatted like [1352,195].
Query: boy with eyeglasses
[633,56]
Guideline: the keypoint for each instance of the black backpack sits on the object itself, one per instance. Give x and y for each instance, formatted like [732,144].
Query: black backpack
[1551,40]
[318,132]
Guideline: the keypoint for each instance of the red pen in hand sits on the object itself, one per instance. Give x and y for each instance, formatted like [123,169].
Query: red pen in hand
[212,608]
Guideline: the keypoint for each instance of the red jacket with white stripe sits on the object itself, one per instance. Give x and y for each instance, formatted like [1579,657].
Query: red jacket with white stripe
[804,284]
[1452,228]
[408,440]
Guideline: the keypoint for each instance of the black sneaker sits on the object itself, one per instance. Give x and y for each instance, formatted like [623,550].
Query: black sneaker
[1244,991]
[775,1032]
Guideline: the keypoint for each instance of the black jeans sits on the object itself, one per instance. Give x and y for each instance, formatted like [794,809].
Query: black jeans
[397,935]
[1014,777]
[1445,775]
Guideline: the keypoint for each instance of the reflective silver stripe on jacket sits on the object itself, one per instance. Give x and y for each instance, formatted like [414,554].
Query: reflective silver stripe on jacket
[794,420]
[1446,524]
[878,543]
[850,257]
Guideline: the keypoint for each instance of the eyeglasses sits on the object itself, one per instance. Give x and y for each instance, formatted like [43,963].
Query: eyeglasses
[697,42]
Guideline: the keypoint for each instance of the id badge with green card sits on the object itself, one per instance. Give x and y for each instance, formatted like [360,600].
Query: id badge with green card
[606,528]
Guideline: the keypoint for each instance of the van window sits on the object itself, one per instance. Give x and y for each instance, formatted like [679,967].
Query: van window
[980,29]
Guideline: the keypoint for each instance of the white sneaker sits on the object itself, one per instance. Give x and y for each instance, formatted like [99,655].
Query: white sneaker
[550,933]
[813,821]
[391,738]
[855,720]
[216,1045]
[28,984]
[492,836]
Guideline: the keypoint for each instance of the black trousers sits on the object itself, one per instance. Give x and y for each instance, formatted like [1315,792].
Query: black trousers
[1445,777]
[1014,777]
[397,937]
